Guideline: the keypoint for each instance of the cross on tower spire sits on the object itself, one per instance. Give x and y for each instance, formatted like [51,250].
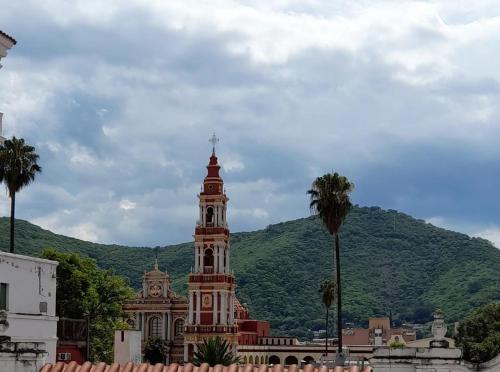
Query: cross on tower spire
[213,140]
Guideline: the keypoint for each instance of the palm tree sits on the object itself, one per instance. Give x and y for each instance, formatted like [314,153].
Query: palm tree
[330,200]
[18,168]
[327,290]
[215,351]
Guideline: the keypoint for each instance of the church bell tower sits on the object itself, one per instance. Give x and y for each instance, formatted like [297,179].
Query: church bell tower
[211,284]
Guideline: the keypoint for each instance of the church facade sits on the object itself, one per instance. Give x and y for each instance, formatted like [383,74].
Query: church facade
[157,311]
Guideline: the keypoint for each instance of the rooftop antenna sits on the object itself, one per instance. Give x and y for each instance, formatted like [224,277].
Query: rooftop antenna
[213,140]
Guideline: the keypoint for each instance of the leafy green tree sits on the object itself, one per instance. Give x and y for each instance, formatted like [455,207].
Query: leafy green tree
[18,168]
[215,351]
[84,291]
[327,290]
[330,200]
[155,350]
[397,345]
[479,334]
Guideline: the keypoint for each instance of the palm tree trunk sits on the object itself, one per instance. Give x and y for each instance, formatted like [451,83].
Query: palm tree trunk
[339,294]
[12,219]
[326,335]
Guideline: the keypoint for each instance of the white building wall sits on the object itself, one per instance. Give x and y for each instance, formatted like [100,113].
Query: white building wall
[31,284]
[127,347]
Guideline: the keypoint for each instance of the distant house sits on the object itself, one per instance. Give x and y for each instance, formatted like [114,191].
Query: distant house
[378,333]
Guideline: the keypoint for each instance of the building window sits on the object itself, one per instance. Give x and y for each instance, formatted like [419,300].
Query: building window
[210,215]
[155,327]
[179,327]
[208,259]
[4,296]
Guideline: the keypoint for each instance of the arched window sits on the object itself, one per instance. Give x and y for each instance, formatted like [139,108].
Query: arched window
[179,327]
[250,360]
[210,215]
[309,360]
[262,359]
[256,359]
[290,360]
[208,259]
[245,359]
[155,327]
[274,359]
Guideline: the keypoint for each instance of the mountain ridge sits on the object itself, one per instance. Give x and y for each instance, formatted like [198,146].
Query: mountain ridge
[391,264]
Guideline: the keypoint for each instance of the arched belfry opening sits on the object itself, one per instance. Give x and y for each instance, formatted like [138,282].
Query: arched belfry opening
[208,259]
[210,216]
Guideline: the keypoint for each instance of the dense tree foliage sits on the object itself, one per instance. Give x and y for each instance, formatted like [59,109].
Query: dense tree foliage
[214,351]
[155,350]
[392,263]
[479,334]
[85,291]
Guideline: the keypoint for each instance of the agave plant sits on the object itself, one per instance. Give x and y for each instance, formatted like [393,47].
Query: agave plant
[215,351]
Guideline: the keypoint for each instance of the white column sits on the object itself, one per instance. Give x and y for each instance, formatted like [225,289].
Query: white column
[198,307]
[214,301]
[196,259]
[221,259]
[186,352]
[201,259]
[169,325]
[138,321]
[216,258]
[164,325]
[144,330]
[191,307]
[223,307]
[231,308]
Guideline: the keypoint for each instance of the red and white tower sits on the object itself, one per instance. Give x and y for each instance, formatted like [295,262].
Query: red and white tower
[211,284]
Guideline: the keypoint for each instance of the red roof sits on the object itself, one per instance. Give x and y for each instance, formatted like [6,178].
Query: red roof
[8,37]
[144,367]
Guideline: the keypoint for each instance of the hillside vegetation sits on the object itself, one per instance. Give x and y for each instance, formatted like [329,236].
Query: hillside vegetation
[391,262]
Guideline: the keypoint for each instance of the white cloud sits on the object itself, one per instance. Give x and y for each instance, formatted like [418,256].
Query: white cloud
[232,165]
[492,234]
[127,205]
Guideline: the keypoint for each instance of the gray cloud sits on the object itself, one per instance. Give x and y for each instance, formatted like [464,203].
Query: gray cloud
[121,112]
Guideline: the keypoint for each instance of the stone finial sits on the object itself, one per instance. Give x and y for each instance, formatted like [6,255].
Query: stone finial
[438,330]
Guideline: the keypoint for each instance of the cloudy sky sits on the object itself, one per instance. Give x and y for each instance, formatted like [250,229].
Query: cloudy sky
[120,97]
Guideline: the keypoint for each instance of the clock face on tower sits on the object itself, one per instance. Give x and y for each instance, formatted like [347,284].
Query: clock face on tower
[155,289]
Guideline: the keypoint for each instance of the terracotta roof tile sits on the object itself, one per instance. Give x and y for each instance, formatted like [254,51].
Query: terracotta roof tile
[8,37]
[144,367]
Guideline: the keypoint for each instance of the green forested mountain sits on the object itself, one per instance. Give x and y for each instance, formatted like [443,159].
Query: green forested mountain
[392,263]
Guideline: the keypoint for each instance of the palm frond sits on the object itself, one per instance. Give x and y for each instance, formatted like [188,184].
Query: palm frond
[329,198]
[18,164]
